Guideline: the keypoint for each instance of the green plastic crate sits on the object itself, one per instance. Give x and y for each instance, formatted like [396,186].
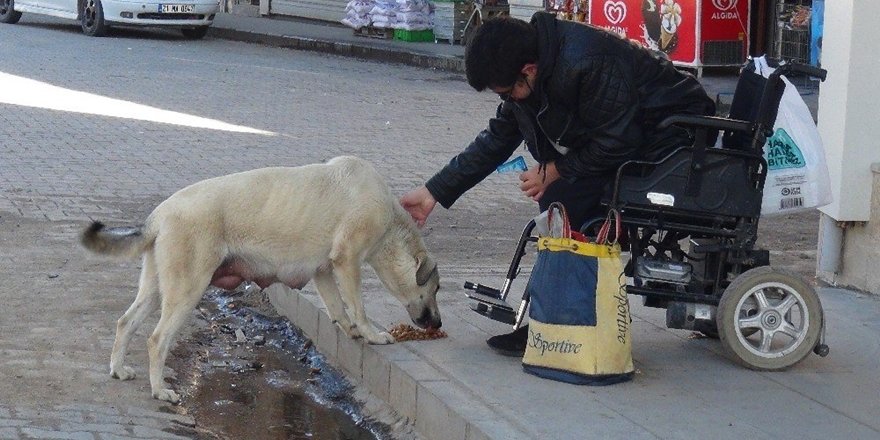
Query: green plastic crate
[414,36]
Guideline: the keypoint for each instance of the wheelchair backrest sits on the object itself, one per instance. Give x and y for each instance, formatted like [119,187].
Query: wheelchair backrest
[756,100]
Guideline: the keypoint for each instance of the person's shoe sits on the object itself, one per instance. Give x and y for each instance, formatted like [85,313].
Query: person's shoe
[511,344]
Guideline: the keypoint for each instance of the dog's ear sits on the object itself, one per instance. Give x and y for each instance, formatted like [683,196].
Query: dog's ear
[426,269]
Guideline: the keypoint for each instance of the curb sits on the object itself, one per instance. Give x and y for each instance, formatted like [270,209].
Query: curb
[435,404]
[365,52]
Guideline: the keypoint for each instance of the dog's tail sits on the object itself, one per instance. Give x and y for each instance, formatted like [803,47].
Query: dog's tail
[128,241]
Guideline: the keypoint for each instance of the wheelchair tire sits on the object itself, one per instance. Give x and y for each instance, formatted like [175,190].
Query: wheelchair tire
[769,319]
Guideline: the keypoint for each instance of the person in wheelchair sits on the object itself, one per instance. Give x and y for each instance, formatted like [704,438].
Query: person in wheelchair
[583,100]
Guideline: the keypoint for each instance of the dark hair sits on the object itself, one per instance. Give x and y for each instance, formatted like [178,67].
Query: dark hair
[500,48]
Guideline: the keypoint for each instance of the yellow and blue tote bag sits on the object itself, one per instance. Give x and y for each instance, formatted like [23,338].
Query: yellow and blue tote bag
[579,321]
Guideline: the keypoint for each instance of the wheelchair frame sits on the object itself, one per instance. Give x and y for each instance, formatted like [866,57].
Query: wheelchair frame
[721,286]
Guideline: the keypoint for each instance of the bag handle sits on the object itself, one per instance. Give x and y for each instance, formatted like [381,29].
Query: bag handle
[612,218]
[563,216]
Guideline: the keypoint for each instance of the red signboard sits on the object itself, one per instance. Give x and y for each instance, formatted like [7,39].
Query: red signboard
[669,26]
[725,20]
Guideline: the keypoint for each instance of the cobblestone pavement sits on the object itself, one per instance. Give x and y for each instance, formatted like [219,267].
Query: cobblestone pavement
[60,169]
[87,422]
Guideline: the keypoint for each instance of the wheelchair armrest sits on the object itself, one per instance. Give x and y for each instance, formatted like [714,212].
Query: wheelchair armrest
[707,122]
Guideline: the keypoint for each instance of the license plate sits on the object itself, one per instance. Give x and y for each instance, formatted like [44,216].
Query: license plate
[176,9]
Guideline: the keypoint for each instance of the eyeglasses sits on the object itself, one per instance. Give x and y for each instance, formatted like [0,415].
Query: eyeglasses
[505,96]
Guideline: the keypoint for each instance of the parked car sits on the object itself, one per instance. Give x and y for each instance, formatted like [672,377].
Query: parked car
[192,17]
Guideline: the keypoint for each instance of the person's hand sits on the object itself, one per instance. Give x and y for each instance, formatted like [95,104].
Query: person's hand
[536,180]
[418,203]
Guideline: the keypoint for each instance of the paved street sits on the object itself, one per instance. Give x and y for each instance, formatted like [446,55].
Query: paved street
[61,168]
[318,107]
[106,128]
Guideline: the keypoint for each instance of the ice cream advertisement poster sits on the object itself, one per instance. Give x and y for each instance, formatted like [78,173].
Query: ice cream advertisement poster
[669,26]
[725,20]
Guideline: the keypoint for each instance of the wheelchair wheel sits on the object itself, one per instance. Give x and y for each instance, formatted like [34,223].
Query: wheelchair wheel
[769,319]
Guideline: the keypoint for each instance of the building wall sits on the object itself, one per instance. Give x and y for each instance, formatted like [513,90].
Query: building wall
[849,242]
[327,10]
[859,248]
[859,266]
[847,104]
[524,9]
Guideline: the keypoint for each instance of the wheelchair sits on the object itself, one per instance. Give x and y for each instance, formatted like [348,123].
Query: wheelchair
[690,221]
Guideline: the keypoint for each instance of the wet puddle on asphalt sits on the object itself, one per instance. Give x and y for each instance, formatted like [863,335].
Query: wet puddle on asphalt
[246,375]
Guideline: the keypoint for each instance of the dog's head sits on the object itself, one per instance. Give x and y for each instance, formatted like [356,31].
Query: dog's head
[413,279]
[421,304]
[409,273]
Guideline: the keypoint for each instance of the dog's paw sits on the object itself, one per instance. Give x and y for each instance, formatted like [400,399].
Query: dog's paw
[166,395]
[124,373]
[381,338]
[354,332]
[351,330]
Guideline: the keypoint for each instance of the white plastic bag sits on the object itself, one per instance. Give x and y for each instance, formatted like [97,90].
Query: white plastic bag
[797,176]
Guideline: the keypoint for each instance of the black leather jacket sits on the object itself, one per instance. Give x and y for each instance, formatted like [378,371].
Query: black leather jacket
[600,98]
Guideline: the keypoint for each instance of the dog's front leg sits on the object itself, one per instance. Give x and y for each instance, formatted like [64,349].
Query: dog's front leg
[348,277]
[329,293]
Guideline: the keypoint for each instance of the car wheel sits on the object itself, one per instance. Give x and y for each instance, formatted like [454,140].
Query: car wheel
[195,33]
[8,14]
[769,319]
[93,23]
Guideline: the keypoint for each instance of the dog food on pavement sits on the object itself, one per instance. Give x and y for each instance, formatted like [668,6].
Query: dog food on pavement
[405,332]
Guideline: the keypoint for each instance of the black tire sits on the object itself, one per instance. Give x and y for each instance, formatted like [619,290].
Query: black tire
[712,333]
[196,33]
[8,14]
[782,322]
[92,20]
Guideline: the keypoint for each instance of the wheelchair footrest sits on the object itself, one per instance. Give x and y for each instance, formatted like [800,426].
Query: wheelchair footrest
[489,303]
[496,313]
[488,300]
[485,290]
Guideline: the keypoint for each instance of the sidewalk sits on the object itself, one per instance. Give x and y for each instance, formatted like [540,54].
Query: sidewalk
[457,389]
[335,39]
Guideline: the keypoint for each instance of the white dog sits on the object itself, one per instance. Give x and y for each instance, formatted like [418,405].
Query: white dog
[269,225]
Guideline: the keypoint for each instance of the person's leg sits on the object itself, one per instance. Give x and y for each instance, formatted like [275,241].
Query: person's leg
[581,200]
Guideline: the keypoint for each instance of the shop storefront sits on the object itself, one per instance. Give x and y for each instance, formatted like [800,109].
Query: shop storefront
[692,33]
[798,30]
[327,10]
[524,9]
[702,33]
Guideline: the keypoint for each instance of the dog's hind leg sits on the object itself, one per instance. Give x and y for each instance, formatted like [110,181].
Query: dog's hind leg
[146,302]
[183,277]
[177,303]
[329,293]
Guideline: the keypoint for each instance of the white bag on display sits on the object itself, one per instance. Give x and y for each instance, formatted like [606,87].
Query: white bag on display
[797,175]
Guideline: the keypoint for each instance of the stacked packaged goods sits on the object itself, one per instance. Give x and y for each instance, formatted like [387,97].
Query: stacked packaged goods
[357,13]
[415,15]
[450,18]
